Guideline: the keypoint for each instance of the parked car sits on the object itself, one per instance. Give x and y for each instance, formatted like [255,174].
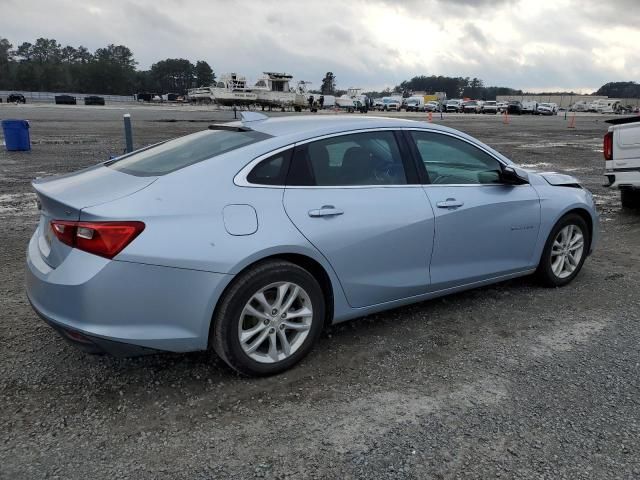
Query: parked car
[547,109]
[16,98]
[490,106]
[93,100]
[502,106]
[453,105]
[472,106]
[514,107]
[65,100]
[260,241]
[390,104]
[622,159]
[579,106]
[593,106]
[433,106]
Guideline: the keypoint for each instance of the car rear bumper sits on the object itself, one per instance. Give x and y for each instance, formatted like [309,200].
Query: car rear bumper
[123,307]
[622,178]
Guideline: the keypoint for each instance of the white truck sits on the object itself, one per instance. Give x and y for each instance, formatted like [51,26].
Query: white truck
[622,159]
[529,106]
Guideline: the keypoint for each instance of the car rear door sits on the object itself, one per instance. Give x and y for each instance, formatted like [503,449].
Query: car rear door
[357,199]
[484,228]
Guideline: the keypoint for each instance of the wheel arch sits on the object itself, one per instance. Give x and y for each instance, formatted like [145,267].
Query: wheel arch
[586,216]
[584,213]
[310,264]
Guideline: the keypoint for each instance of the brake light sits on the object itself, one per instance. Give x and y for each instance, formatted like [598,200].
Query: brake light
[106,239]
[608,146]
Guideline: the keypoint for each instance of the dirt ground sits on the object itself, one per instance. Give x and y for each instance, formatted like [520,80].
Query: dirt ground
[509,381]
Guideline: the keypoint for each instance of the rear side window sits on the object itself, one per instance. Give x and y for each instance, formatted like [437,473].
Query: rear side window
[271,171]
[184,151]
[371,158]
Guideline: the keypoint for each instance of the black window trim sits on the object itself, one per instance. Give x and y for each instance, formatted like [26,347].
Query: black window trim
[422,170]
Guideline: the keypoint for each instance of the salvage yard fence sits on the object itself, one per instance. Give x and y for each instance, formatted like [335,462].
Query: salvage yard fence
[48,97]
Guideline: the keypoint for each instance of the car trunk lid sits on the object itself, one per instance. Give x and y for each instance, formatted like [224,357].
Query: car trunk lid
[63,197]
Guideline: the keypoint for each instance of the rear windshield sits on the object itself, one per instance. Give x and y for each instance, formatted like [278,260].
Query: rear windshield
[181,152]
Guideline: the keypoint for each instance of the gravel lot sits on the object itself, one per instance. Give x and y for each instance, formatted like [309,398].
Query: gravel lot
[509,381]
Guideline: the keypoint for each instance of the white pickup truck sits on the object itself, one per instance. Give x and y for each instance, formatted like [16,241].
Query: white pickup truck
[622,159]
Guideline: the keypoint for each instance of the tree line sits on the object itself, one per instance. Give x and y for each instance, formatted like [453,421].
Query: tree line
[620,90]
[454,87]
[46,65]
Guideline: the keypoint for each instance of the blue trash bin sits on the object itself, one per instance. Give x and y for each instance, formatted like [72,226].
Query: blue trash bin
[16,134]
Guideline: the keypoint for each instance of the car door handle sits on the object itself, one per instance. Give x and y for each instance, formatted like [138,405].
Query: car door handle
[326,211]
[450,203]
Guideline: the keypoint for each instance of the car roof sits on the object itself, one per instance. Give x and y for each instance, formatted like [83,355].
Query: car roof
[309,126]
[287,130]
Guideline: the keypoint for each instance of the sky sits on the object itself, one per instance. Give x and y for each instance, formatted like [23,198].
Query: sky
[534,45]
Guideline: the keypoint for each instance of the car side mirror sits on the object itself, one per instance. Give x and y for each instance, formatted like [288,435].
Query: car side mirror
[513,176]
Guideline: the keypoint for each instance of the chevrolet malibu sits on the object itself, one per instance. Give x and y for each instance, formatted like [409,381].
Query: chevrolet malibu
[248,238]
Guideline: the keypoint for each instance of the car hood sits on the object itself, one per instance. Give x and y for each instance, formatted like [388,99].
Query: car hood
[555,179]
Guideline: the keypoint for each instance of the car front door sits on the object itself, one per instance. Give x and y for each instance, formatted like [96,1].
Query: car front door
[484,227]
[357,198]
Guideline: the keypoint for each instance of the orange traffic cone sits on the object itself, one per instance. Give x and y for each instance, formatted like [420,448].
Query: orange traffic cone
[572,121]
[430,117]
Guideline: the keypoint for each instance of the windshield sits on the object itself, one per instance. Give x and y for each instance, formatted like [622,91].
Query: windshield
[184,151]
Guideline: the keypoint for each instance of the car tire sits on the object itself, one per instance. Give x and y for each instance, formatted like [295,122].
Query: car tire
[630,198]
[230,319]
[551,270]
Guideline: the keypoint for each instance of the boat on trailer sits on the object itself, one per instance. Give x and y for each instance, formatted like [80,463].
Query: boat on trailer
[274,91]
[231,90]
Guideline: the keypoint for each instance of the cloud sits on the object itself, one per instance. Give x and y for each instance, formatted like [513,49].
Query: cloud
[570,44]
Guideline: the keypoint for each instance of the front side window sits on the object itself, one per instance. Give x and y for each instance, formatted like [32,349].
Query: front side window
[451,161]
[370,158]
[184,151]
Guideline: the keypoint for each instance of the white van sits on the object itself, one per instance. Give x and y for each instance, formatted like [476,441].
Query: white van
[414,104]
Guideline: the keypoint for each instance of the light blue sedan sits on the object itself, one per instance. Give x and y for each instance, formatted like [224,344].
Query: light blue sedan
[249,238]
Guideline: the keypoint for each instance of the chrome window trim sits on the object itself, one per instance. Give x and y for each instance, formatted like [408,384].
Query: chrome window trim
[241,177]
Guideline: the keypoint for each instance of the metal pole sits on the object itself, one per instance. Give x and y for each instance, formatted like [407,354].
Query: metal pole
[128,134]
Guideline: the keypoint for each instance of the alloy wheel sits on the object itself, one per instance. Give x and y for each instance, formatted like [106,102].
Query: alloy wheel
[567,251]
[275,322]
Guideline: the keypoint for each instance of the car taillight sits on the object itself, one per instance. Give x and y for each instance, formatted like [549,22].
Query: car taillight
[608,146]
[106,239]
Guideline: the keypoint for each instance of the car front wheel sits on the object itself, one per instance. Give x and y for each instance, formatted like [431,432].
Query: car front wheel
[269,319]
[565,251]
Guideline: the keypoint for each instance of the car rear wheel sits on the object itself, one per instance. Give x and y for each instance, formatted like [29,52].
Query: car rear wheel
[565,251]
[269,319]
